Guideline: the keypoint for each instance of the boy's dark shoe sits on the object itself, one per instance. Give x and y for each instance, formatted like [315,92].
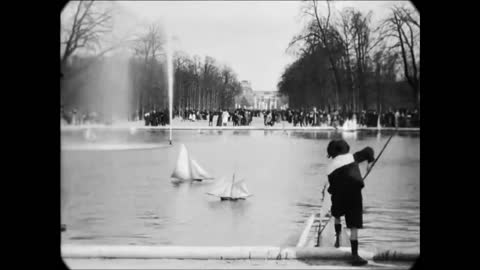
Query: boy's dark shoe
[337,242]
[357,261]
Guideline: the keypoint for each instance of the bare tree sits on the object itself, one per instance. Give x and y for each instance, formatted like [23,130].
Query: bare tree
[320,31]
[87,27]
[208,80]
[385,65]
[149,47]
[347,45]
[203,84]
[150,44]
[361,45]
[404,27]
[180,63]
[347,37]
[325,34]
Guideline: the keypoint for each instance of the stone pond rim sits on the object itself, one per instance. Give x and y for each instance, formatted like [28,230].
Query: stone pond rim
[222,253]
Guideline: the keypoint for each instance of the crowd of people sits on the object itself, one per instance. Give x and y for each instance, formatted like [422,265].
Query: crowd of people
[238,117]
[305,118]
[244,117]
[156,118]
[370,118]
[75,117]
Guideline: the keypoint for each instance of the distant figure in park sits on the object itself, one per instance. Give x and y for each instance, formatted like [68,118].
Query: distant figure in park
[295,118]
[335,120]
[269,118]
[147,121]
[210,118]
[302,118]
[278,117]
[225,116]
[401,122]
[74,117]
[153,120]
[397,118]
[192,117]
[219,119]
[345,186]
[198,116]
[235,118]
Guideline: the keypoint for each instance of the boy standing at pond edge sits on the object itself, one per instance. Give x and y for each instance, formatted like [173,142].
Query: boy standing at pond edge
[345,186]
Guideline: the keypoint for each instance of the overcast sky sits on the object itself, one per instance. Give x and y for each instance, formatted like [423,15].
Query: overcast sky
[250,36]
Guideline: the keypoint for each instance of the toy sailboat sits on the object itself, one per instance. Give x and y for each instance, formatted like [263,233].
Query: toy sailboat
[189,169]
[231,190]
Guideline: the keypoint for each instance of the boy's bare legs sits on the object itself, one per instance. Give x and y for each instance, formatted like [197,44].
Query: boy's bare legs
[353,234]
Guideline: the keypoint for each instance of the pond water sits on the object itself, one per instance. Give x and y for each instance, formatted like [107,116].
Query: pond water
[118,190]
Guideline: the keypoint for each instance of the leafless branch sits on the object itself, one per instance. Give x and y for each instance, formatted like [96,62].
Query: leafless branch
[87,27]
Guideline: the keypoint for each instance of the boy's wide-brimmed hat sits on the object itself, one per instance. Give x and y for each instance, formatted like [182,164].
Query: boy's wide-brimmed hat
[337,147]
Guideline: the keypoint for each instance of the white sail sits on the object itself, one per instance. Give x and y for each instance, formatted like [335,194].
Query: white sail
[182,169]
[244,191]
[187,168]
[222,190]
[240,190]
[234,189]
[197,172]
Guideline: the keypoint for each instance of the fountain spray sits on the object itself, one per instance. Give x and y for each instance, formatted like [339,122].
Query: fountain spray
[169,53]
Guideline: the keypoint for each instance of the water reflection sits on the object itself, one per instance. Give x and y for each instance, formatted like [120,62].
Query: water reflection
[241,132]
[235,207]
[315,135]
[267,132]
[148,215]
[349,135]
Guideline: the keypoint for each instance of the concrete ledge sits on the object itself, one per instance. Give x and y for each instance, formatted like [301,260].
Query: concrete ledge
[98,263]
[329,253]
[222,253]
[170,252]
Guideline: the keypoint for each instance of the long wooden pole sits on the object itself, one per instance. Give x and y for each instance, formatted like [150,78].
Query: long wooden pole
[375,161]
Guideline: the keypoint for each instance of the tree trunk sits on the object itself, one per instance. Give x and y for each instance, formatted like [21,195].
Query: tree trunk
[337,84]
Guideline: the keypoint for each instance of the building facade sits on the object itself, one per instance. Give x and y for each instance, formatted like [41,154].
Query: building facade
[260,100]
[268,100]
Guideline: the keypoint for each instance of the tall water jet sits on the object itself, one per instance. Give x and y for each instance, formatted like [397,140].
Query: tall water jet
[169,52]
[97,81]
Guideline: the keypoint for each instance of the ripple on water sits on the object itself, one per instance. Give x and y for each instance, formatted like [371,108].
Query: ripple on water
[85,237]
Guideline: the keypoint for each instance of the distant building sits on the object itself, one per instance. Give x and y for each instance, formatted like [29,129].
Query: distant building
[268,100]
[260,100]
